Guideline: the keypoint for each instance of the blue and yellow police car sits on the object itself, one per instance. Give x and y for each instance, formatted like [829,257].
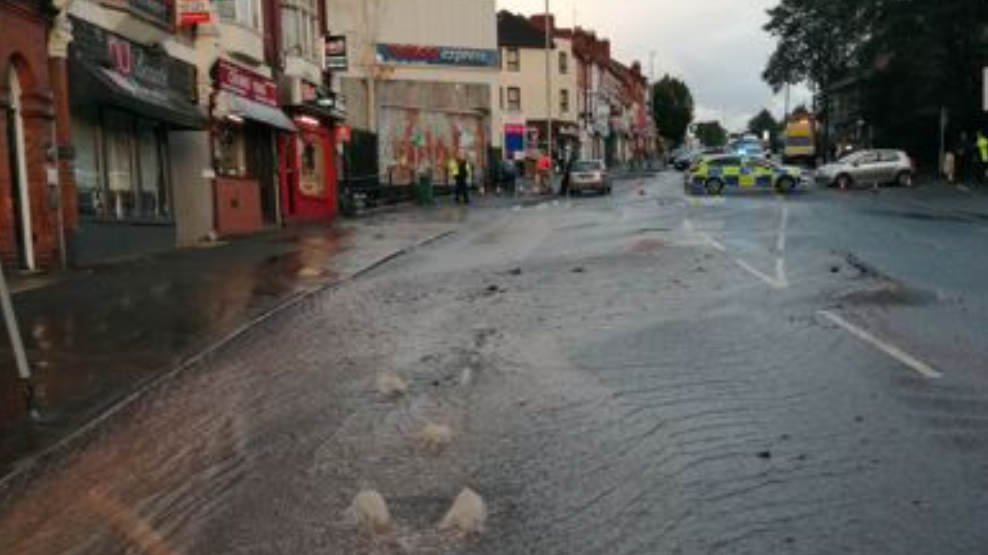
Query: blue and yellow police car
[713,174]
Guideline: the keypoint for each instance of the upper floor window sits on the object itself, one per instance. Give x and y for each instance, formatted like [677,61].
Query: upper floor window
[512,60]
[300,24]
[563,63]
[514,99]
[243,12]
[564,101]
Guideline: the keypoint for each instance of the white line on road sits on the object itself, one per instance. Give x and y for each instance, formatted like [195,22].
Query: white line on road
[773,282]
[898,354]
[964,188]
[780,243]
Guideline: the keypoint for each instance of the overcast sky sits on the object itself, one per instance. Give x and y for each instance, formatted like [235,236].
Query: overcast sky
[717,46]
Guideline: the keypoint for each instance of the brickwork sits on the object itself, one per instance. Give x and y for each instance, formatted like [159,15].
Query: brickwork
[24,51]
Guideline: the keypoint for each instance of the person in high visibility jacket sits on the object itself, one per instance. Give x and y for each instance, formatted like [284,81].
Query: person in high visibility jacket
[982,155]
[452,169]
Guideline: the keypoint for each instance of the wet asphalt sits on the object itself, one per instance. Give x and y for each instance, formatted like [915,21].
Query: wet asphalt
[637,374]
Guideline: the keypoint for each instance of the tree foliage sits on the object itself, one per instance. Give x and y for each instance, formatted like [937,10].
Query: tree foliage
[711,133]
[909,59]
[764,122]
[672,108]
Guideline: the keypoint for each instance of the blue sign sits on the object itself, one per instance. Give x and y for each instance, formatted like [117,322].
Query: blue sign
[437,55]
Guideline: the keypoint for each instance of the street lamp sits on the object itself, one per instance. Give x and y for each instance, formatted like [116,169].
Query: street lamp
[548,93]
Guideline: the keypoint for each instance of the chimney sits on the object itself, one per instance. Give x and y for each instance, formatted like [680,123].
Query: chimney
[539,21]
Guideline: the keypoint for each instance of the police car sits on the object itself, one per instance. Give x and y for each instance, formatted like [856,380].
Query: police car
[713,173]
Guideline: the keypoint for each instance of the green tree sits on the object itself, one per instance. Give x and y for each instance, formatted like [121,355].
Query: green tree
[672,108]
[711,133]
[763,123]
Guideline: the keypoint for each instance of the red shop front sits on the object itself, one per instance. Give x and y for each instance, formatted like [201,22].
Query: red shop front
[309,170]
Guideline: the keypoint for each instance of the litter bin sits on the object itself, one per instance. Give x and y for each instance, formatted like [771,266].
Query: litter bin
[424,191]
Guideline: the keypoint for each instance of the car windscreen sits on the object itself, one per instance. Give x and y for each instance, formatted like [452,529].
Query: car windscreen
[588,167]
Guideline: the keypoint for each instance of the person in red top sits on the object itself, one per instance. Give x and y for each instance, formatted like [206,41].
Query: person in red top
[542,167]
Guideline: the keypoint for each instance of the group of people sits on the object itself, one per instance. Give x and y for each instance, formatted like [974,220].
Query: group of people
[967,160]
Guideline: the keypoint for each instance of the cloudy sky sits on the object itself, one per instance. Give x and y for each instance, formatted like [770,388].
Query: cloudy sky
[717,46]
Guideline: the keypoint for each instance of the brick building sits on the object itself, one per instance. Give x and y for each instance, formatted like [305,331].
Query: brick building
[33,117]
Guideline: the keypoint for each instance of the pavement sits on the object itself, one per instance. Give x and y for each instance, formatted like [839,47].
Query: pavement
[96,336]
[636,374]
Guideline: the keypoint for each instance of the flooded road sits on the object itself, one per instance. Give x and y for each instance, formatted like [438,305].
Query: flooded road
[632,375]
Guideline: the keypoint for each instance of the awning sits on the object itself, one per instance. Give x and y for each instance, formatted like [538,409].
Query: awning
[93,84]
[256,111]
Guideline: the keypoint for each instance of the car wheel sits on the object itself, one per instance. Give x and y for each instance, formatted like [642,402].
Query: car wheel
[904,179]
[785,185]
[714,186]
[844,181]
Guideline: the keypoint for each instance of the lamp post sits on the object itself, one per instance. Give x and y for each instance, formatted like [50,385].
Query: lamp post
[548,94]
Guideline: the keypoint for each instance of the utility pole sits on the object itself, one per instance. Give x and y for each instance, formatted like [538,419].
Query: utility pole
[548,93]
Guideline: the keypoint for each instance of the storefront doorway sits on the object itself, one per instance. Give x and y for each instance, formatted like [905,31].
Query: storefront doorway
[308,174]
[17,162]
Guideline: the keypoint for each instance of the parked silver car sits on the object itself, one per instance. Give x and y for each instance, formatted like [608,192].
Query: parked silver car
[869,168]
[589,175]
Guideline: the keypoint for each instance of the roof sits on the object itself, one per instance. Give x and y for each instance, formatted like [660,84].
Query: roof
[517,31]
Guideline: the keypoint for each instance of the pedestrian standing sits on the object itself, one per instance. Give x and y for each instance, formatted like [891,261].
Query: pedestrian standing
[962,154]
[982,154]
[451,167]
[462,193]
[950,167]
[543,166]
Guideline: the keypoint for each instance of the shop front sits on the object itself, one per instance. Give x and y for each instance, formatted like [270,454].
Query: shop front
[247,128]
[309,163]
[126,99]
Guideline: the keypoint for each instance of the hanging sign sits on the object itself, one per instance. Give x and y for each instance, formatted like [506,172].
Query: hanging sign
[193,12]
[336,53]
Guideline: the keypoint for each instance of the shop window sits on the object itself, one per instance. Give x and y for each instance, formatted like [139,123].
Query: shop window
[120,178]
[241,12]
[121,168]
[512,59]
[514,99]
[300,24]
[87,166]
[231,159]
[312,182]
[154,198]
[563,63]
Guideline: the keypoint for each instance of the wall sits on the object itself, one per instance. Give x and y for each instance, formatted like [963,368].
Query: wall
[451,23]
[192,192]
[25,39]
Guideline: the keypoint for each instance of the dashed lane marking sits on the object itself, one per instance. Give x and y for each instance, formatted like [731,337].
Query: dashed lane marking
[898,354]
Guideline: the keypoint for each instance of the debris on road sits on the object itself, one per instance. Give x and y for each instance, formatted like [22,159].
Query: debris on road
[435,437]
[467,516]
[371,513]
[391,385]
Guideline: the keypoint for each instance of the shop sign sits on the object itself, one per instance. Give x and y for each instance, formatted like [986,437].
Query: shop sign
[159,11]
[246,83]
[336,53]
[193,12]
[437,55]
[151,68]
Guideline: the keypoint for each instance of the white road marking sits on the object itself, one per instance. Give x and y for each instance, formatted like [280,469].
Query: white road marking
[964,188]
[898,354]
[773,282]
[780,243]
